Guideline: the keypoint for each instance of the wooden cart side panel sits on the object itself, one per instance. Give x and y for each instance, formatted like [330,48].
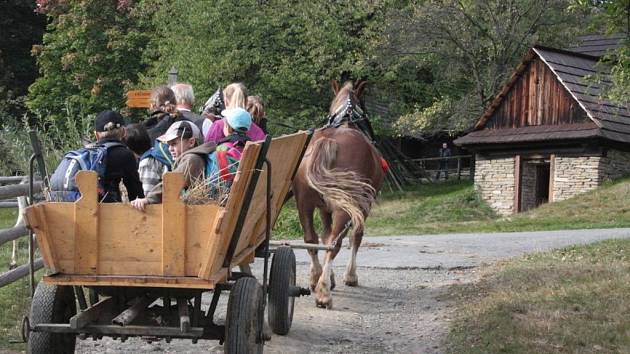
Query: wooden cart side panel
[219,243]
[36,219]
[284,155]
[130,241]
[60,232]
[255,214]
[86,227]
[201,226]
[173,226]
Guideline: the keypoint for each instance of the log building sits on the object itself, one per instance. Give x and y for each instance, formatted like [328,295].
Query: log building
[548,135]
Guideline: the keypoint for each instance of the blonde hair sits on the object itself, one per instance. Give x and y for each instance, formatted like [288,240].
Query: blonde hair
[235,95]
[256,108]
[163,98]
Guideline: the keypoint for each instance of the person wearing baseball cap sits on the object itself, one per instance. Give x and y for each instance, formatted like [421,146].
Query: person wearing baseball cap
[182,138]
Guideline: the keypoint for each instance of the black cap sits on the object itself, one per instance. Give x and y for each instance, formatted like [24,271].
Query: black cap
[108,120]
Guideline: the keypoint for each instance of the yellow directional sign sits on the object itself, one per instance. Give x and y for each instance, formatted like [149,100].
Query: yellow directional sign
[139,99]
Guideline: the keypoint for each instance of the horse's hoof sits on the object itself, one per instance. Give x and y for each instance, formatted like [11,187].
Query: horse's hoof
[12,266]
[324,304]
[352,282]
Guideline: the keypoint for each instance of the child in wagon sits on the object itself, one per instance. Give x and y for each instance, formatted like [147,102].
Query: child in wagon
[206,162]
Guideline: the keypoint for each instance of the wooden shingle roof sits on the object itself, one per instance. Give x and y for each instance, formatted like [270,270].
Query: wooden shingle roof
[575,72]
[597,44]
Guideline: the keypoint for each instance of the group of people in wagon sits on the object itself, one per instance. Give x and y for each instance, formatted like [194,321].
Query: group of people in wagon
[205,147]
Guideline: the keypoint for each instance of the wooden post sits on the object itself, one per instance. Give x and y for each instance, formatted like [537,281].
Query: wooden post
[459,167]
[172,76]
[173,226]
[86,224]
[552,172]
[517,184]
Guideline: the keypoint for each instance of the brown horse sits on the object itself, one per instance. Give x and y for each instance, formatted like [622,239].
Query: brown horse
[340,175]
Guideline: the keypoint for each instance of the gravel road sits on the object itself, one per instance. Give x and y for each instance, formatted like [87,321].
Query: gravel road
[398,306]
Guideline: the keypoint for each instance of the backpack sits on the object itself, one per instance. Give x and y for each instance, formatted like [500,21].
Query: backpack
[160,152]
[63,187]
[221,167]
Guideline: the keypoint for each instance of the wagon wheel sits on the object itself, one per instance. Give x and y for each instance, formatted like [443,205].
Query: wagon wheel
[52,304]
[242,318]
[282,279]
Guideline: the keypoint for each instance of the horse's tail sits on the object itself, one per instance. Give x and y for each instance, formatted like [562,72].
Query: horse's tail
[346,190]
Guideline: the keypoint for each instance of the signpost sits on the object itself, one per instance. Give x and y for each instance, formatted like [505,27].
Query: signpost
[139,99]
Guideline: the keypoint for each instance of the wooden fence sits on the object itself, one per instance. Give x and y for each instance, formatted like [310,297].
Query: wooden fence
[426,169]
[15,187]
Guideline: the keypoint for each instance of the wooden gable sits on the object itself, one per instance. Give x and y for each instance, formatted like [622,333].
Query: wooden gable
[536,98]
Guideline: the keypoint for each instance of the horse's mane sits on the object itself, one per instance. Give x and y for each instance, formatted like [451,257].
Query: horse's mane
[341,97]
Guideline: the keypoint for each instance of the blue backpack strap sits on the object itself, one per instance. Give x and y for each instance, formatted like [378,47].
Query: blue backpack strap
[160,152]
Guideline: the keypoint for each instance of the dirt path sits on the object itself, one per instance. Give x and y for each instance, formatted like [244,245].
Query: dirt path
[397,308]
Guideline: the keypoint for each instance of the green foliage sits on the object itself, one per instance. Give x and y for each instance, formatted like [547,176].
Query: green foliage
[91,54]
[62,134]
[472,47]
[284,51]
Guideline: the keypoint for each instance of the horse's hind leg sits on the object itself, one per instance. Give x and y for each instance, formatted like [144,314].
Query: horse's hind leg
[326,218]
[323,296]
[310,236]
[350,277]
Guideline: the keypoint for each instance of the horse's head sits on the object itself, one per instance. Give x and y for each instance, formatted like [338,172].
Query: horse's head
[346,108]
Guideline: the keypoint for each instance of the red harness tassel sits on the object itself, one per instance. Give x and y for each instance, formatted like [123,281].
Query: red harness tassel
[384,165]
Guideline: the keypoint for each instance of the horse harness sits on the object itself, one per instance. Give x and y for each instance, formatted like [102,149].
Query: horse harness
[348,113]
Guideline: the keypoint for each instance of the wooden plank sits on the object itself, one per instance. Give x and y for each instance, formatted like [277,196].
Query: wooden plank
[200,227]
[86,229]
[128,235]
[91,314]
[59,229]
[217,245]
[138,281]
[284,154]
[46,249]
[173,226]
[517,183]
[552,176]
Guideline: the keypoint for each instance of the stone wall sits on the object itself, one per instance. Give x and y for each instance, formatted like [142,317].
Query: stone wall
[494,181]
[616,164]
[528,186]
[575,175]
[572,175]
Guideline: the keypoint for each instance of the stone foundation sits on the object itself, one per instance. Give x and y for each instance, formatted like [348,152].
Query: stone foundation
[575,175]
[571,175]
[616,164]
[494,181]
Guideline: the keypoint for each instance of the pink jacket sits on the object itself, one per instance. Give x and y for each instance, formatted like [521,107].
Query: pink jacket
[216,132]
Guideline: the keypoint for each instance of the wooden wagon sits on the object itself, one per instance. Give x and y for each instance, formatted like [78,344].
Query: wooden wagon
[145,272]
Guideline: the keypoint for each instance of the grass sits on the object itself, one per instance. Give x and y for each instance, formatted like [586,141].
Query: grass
[14,298]
[573,300]
[455,207]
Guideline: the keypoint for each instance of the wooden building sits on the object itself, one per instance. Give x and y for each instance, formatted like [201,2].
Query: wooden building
[548,135]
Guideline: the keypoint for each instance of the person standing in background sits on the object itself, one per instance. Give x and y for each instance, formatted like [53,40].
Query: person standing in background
[445,152]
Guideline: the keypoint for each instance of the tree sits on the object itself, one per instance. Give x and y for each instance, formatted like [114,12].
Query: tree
[21,30]
[91,53]
[283,50]
[472,47]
